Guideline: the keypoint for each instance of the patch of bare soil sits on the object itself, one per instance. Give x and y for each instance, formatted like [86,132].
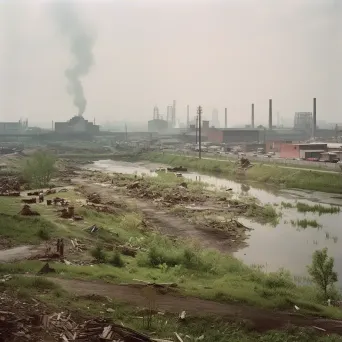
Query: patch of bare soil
[259,319]
[164,221]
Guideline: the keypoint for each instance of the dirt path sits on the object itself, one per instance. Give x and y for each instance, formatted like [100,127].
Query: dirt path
[164,222]
[17,253]
[261,319]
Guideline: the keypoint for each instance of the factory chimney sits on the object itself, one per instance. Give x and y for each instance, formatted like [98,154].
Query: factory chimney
[187,117]
[225,118]
[314,124]
[174,113]
[270,115]
[252,123]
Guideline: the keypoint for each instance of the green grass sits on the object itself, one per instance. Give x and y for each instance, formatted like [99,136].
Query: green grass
[317,208]
[276,175]
[286,205]
[25,230]
[304,223]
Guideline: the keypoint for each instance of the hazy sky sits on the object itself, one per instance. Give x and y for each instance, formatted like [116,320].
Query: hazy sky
[226,53]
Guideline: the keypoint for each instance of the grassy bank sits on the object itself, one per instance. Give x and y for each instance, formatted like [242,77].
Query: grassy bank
[286,177]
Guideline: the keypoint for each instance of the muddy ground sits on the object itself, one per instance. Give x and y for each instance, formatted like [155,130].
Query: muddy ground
[202,216]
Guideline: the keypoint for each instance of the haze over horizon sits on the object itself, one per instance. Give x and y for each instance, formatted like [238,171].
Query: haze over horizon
[214,53]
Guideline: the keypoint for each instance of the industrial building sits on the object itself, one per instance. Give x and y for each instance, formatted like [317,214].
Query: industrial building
[303,121]
[303,151]
[77,125]
[18,127]
[157,125]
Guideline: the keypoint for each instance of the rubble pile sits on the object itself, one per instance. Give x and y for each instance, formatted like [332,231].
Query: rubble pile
[94,198]
[26,211]
[21,321]
[175,195]
[9,186]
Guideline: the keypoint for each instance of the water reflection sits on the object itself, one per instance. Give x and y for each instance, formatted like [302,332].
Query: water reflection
[284,245]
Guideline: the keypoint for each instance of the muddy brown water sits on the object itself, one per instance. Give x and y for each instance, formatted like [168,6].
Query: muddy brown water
[271,247]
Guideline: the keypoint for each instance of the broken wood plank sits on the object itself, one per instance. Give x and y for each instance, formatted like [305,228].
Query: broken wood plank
[179,338]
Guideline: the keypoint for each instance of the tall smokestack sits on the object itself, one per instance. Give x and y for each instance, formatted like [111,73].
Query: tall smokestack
[314,119]
[270,115]
[187,116]
[225,118]
[252,123]
[174,113]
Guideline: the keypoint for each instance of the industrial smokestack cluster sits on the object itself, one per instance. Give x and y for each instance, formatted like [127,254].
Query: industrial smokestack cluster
[252,121]
[270,115]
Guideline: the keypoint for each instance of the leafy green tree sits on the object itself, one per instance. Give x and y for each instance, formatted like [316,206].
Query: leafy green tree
[39,168]
[322,270]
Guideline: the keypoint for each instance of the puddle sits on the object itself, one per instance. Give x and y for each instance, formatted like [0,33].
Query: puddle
[285,245]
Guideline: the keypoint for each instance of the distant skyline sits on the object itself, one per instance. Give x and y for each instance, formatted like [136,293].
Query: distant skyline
[214,53]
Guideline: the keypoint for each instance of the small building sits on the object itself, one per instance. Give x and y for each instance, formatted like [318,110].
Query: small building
[18,127]
[297,151]
[328,157]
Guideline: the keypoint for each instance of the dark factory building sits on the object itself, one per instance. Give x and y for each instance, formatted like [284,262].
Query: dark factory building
[77,125]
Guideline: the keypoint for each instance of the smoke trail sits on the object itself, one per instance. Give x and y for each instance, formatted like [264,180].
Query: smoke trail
[81,43]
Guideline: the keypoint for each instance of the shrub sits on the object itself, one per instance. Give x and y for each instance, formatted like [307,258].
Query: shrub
[43,233]
[116,260]
[99,254]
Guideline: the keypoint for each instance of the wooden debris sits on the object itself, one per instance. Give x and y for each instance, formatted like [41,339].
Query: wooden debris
[78,246]
[179,338]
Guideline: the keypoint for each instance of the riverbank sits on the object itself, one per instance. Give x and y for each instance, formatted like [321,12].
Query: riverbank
[270,174]
[139,240]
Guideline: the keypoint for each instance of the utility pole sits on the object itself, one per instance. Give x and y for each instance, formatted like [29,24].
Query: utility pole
[126,132]
[199,111]
[196,125]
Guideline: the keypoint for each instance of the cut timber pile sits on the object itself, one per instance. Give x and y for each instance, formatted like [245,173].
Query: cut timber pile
[9,187]
[78,246]
[17,326]
[63,328]
[26,211]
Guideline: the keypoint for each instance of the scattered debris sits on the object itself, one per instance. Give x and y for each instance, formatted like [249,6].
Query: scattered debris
[182,315]
[9,187]
[78,246]
[94,198]
[29,200]
[179,338]
[26,211]
[46,269]
[60,201]
[177,169]
[50,192]
[134,185]
[128,250]
[34,193]
[5,278]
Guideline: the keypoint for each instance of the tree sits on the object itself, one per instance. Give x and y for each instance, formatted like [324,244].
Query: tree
[39,168]
[322,270]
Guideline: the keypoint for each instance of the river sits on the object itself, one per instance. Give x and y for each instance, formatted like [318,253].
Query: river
[272,247]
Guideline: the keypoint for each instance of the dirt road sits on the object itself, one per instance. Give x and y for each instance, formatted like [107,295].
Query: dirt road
[262,320]
[17,253]
[164,222]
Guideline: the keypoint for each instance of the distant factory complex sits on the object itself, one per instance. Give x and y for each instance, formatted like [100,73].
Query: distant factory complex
[303,140]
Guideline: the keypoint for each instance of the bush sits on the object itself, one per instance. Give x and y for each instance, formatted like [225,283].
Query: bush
[43,233]
[116,260]
[99,254]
